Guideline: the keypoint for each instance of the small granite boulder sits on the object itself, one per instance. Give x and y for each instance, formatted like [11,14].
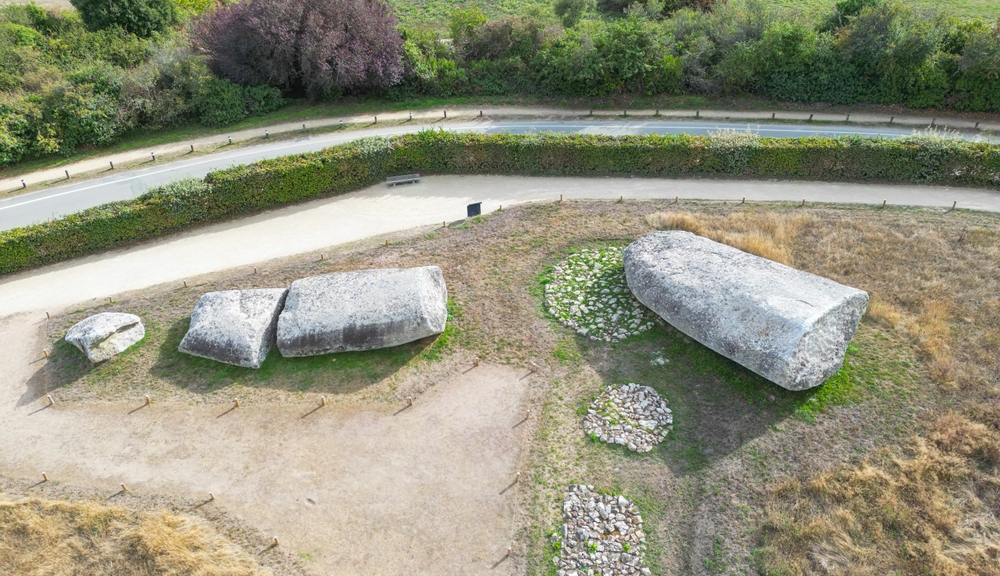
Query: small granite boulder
[234,326]
[789,326]
[105,335]
[362,310]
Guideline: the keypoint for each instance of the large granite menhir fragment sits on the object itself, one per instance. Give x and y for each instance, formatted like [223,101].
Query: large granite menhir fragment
[105,335]
[789,326]
[234,326]
[362,310]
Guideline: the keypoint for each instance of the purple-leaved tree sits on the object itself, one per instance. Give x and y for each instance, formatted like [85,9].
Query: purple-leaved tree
[320,48]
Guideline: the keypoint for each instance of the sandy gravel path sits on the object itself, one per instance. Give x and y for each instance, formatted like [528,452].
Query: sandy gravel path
[379,210]
[369,492]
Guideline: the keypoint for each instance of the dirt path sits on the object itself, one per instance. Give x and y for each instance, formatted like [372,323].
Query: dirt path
[370,492]
[378,210]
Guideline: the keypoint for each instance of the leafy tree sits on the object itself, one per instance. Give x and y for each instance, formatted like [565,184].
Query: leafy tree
[320,48]
[571,11]
[140,17]
[464,22]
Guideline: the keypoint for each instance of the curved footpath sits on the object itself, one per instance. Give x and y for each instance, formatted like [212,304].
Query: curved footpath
[739,119]
[379,210]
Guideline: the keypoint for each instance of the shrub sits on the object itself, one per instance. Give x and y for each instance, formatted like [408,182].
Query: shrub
[140,17]
[934,158]
[571,11]
[320,48]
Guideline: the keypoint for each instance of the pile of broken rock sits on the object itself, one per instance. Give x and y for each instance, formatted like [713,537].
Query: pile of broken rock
[602,534]
[633,416]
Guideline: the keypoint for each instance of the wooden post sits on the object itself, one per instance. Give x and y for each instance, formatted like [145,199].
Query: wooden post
[275,540]
[124,487]
[254,269]
[953,204]
[112,164]
[67,174]
[560,197]
[153,156]
[110,301]
[810,117]
[185,283]
[23,185]
[51,401]
[883,203]
[772,115]
[409,400]
[376,120]
[445,113]
[266,135]
[45,477]
[803,202]
[236,403]
[697,113]
[192,148]
[148,401]
[230,139]
[744,200]
[677,199]
[322,400]
[48,316]
[211,496]
[46,352]
[848,119]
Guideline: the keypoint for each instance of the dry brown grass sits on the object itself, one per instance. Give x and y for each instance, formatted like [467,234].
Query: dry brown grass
[930,511]
[766,234]
[56,538]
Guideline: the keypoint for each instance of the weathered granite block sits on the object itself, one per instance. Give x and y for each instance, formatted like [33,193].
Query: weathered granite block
[105,335]
[789,326]
[234,326]
[362,310]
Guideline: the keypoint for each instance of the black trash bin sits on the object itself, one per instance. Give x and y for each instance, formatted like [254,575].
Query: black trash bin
[474,209]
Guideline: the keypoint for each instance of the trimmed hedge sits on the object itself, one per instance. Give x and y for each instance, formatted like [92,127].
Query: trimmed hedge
[274,183]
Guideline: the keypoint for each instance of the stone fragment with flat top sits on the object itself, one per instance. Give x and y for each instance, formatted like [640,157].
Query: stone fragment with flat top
[105,335]
[234,326]
[362,310]
[789,326]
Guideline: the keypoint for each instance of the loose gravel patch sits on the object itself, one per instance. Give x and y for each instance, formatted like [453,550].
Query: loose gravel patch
[588,293]
[602,535]
[633,416]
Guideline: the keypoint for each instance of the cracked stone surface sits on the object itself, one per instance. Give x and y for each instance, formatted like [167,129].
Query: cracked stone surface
[633,416]
[601,535]
[362,310]
[106,335]
[789,326]
[234,326]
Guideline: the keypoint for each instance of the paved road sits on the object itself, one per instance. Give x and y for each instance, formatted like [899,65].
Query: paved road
[54,202]
[306,229]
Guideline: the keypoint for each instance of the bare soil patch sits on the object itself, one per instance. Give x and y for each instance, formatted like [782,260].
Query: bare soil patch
[707,494]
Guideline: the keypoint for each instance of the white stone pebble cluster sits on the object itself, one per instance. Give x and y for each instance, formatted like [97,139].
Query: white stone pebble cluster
[588,293]
[633,416]
[602,535]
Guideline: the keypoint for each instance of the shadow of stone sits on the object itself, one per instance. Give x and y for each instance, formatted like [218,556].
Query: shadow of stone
[65,366]
[338,373]
[718,406]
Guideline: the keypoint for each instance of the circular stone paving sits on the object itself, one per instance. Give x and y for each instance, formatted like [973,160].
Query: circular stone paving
[633,416]
[588,293]
[602,535]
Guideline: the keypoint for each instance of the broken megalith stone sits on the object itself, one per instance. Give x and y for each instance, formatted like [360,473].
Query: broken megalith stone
[362,310]
[789,326]
[234,326]
[105,335]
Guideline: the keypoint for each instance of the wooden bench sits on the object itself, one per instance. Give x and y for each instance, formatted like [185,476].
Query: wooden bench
[404,179]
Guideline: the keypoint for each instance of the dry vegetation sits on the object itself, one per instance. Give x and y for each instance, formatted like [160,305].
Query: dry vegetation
[43,537]
[931,507]
[890,468]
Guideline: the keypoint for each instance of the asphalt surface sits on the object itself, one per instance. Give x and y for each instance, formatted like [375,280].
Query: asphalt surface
[59,201]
